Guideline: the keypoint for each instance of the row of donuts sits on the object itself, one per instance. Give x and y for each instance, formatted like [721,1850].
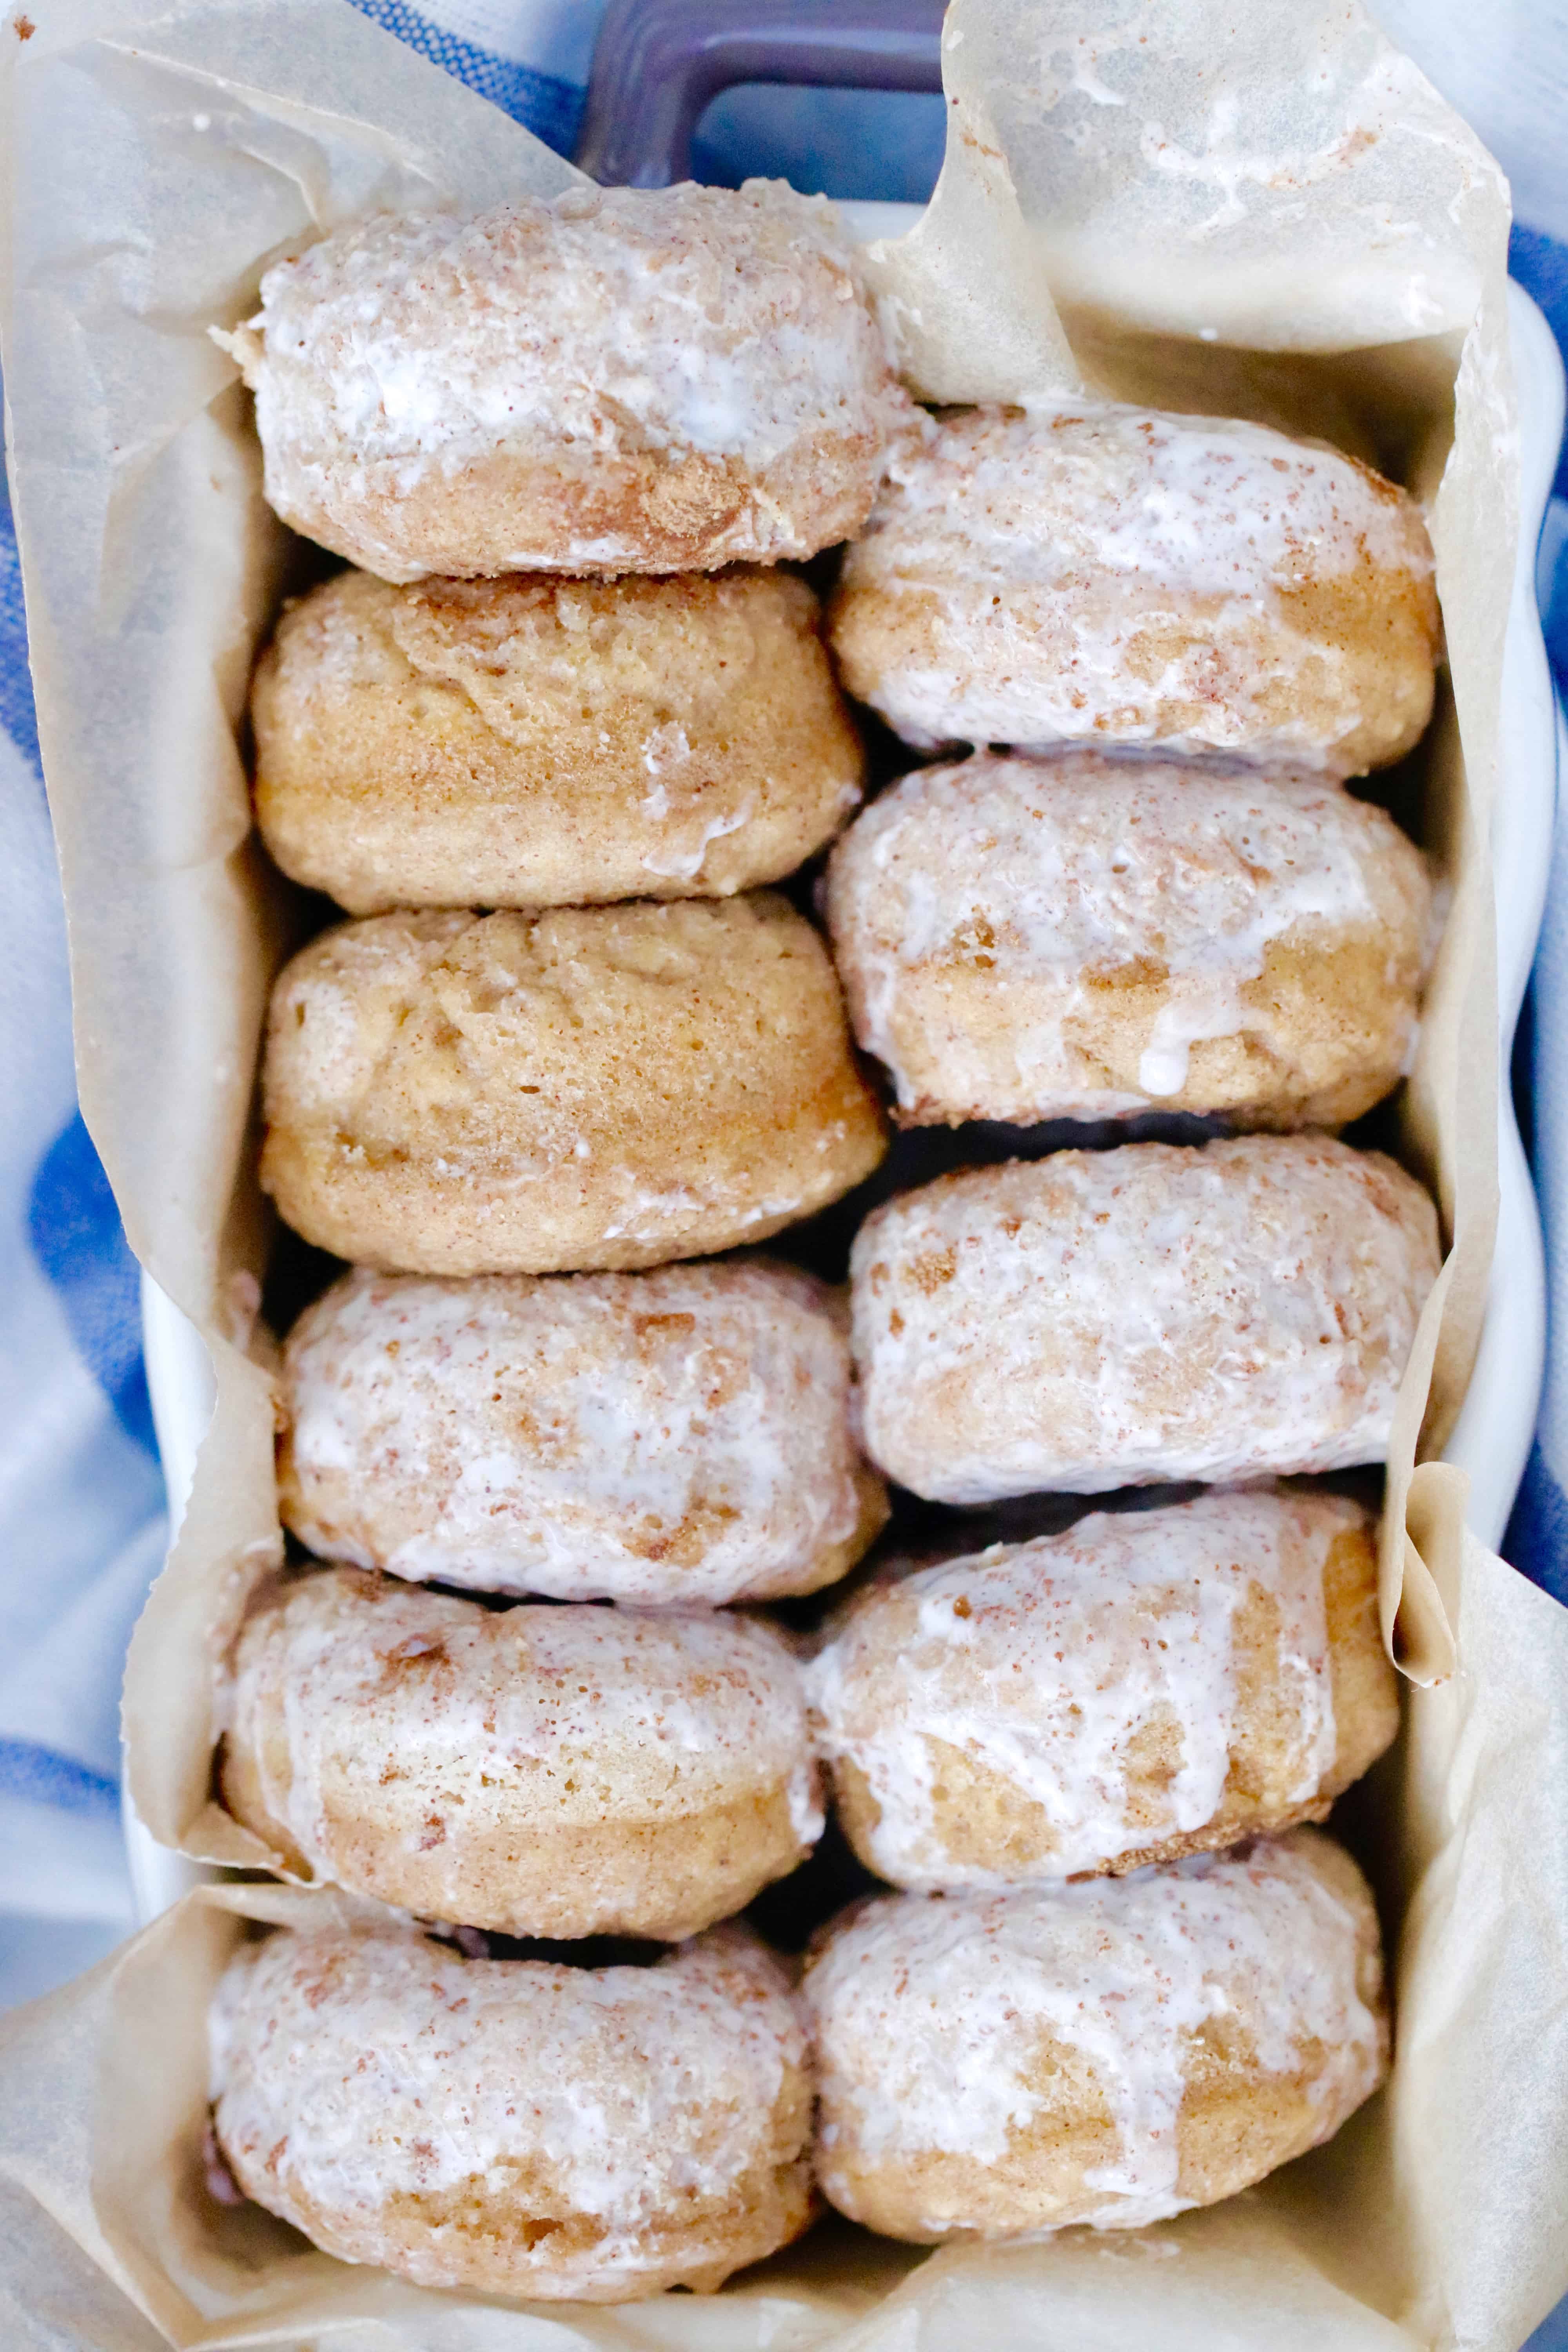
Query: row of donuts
[544,2125]
[1146,1685]
[605,1087]
[1112,2053]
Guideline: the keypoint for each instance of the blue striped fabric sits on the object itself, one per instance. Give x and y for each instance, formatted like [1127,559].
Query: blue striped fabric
[81,1367]
[1537,1538]
[76,1237]
[1540,265]
[17,715]
[41,1775]
[551,108]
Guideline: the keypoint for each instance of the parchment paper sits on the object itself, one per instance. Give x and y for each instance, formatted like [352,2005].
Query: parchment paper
[1264,211]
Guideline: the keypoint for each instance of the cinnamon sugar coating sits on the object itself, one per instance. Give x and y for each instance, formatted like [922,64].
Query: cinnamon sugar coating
[1098,572]
[517,2127]
[542,1772]
[681,1436]
[599,1087]
[1112,1319]
[536,742]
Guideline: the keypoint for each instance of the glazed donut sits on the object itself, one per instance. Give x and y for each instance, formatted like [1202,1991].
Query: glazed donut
[1114,574]
[1088,935]
[536,742]
[1113,1319]
[1111,2052]
[542,1772]
[596,1086]
[515,2127]
[682,1435]
[1146,1686]
[614,380]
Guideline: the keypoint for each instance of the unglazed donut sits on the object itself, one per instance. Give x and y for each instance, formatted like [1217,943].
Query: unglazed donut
[542,1772]
[1115,574]
[515,2127]
[1110,1318]
[597,1087]
[1108,2052]
[614,380]
[1091,935]
[538,742]
[682,1435]
[1146,1686]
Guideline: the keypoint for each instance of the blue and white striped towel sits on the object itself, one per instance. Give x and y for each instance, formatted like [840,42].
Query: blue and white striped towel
[80,1499]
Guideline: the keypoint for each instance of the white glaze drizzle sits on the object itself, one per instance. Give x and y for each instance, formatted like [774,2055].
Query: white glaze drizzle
[1042,542]
[379,2064]
[730,324]
[1041,1662]
[596,1715]
[555,1434]
[1096,1320]
[1055,870]
[927,2012]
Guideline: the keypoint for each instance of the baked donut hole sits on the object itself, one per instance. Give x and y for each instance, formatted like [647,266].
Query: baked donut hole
[1138,1315]
[1118,932]
[1146,1685]
[680,1436]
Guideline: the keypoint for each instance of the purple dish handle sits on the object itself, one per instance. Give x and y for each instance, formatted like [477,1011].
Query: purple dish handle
[656,64]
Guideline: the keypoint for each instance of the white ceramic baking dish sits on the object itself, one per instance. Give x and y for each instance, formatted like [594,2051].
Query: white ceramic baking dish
[1493,1437]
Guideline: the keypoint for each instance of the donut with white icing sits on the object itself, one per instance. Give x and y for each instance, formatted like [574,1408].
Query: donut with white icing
[589,1087]
[517,2127]
[679,1436]
[1149,1685]
[1105,2053]
[1114,1319]
[611,380]
[537,1770]
[1098,934]
[541,743]
[1101,574]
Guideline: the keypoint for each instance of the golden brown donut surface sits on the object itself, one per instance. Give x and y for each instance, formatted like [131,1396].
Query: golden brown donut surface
[1100,573]
[517,2127]
[613,380]
[1098,934]
[542,1772]
[1148,1684]
[1106,1318]
[590,1087]
[1110,2052]
[682,1435]
[539,742]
